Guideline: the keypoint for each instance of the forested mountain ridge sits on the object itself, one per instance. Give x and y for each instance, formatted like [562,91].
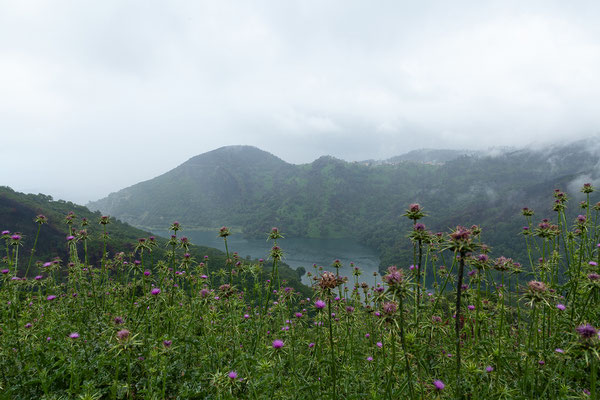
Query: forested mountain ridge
[245,187]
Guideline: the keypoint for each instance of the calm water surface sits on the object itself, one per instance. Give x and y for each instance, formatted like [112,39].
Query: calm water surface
[298,252]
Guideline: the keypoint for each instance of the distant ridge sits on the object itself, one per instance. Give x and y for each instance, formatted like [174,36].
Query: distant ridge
[251,189]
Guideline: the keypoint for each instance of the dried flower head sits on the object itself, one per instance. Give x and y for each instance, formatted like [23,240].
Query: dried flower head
[537,286]
[328,280]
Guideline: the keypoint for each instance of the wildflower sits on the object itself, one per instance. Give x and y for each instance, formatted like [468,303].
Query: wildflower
[277,344]
[118,320]
[275,234]
[28,325]
[586,331]
[147,272]
[394,276]
[414,212]
[123,334]
[232,375]
[471,307]
[328,280]
[320,304]
[593,263]
[489,368]
[542,362]
[559,350]
[224,232]
[51,297]
[536,286]
[561,307]
[74,335]
[379,344]
[369,358]
[167,343]
[593,277]
[155,291]
[5,271]
[311,345]
[38,277]
[439,385]
[390,307]
[298,315]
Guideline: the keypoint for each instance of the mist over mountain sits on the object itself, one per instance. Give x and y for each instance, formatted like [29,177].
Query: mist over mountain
[245,187]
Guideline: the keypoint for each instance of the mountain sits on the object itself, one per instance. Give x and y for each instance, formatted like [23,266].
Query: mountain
[245,187]
[18,211]
[431,156]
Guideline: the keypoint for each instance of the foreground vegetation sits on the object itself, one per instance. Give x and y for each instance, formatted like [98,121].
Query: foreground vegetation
[454,322]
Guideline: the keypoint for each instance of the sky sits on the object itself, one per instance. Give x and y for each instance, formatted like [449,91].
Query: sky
[98,95]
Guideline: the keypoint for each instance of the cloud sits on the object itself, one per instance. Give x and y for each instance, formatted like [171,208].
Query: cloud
[115,93]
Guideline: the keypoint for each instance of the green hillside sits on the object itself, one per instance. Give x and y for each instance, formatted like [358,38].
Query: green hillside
[247,188]
[18,212]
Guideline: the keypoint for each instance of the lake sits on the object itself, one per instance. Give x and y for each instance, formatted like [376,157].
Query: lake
[298,252]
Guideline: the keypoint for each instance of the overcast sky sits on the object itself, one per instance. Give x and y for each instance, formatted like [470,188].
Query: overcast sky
[99,95]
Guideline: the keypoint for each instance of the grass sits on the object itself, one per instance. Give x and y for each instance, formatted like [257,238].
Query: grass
[138,328]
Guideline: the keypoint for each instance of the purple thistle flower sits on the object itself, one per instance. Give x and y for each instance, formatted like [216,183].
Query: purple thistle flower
[369,358]
[147,272]
[389,307]
[28,325]
[118,320]
[167,343]
[489,368]
[123,334]
[559,350]
[277,344]
[311,345]
[320,304]
[38,277]
[232,375]
[379,344]
[51,297]
[74,335]
[439,385]
[593,263]
[471,307]
[561,307]
[155,291]
[586,331]
[5,271]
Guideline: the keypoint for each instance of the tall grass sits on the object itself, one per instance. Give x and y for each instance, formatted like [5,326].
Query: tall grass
[138,328]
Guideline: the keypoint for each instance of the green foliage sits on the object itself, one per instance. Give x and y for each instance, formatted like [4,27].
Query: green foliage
[247,188]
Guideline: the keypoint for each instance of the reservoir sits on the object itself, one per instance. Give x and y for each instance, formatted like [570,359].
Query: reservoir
[297,252]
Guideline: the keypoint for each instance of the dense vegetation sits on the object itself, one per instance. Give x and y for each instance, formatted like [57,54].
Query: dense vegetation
[148,330]
[18,210]
[250,189]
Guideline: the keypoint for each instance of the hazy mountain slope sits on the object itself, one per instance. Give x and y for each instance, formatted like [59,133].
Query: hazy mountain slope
[249,188]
